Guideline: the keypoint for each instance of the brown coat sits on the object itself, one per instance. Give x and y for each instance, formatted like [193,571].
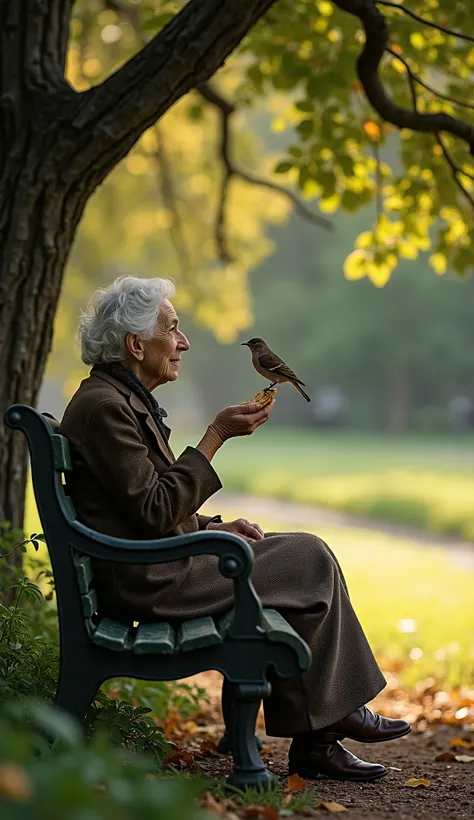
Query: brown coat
[129,484]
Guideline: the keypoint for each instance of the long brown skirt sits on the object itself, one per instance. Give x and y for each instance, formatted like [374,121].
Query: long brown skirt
[297,574]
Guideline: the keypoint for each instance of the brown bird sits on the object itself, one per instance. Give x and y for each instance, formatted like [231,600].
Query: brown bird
[271,367]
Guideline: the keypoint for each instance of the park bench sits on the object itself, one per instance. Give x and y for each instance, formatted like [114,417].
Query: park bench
[243,645]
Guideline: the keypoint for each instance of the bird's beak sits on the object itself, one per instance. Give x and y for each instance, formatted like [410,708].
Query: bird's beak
[243,344]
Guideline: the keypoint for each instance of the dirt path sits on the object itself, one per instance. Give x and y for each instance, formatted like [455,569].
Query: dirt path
[306,515]
[449,795]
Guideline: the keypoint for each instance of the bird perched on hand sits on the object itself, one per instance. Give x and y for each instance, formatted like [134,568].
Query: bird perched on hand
[271,367]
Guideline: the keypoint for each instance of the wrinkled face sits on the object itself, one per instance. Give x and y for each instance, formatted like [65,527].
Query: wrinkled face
[162,353]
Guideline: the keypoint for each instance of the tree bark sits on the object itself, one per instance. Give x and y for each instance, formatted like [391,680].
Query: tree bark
[56,147]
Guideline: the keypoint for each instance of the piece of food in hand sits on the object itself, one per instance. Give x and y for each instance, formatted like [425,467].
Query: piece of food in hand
[263,398]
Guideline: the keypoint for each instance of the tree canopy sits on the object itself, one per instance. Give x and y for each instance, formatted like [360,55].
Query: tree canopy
[341,78]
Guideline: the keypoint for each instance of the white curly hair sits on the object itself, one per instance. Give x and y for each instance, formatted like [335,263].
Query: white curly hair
[128,305]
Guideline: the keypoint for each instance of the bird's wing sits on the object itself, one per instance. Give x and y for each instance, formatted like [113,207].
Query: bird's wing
[270,361]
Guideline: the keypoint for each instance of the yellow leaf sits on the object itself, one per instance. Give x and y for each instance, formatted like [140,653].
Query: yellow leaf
[438,262]
[407,249]
[311,189]
[461,743]
[398,66]
[295,783]
[329,805]
[278,125]
[330,204]
[325,8]
[415,782]
[379,273]
[355,266]
[365,239]
[417,40]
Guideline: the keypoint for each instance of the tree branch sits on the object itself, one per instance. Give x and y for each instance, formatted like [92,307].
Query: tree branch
[415,78]
[424,21]
[376,31]
[169,198]
[455,170]
[186,52]
[227,109]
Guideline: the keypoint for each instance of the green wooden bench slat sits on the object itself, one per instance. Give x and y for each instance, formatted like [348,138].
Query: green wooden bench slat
[198,633]
[279,630]
[113,635]
[89,603]
[154,639]
[61,453]
[84,573]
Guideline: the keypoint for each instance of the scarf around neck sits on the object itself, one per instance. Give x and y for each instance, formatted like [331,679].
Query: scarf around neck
[124,375]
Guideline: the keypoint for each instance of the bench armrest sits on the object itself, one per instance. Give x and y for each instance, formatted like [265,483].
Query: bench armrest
[235,562]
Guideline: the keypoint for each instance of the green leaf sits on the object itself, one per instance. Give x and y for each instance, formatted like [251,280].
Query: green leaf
[283,167]
[305,129]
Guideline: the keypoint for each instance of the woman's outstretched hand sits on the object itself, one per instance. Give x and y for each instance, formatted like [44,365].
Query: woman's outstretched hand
[240,419]
[237,420]
[250,532]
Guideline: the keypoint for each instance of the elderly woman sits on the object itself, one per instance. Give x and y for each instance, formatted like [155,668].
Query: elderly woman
[128,483]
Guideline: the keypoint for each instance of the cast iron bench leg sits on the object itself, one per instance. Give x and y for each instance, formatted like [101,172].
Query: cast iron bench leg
[76,688]
[223,747]
[248,768]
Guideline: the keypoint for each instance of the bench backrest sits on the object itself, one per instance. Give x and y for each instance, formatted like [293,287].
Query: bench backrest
[51,463]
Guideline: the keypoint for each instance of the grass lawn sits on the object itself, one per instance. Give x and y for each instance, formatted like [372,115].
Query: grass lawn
[397,585]
[423,481]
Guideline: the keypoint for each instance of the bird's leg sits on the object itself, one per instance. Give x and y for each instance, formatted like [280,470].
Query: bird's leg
[270,387]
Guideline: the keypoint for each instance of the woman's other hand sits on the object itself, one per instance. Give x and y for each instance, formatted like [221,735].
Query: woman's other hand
[250,532]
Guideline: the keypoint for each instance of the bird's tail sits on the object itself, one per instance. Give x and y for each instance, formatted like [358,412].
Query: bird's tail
[300,390]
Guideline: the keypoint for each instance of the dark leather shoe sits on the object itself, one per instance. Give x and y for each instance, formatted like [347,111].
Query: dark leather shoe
[366,727]
[312,760]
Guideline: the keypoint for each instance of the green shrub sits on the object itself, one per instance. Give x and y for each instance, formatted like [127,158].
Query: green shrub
[75,780]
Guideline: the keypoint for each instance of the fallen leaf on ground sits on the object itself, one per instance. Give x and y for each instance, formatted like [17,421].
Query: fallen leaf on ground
[415,782]
[460,743]
[331,806]
[262,812]
[445,756]
[182,760]
[464,758]
[295,783]
[208,748]
[266,751]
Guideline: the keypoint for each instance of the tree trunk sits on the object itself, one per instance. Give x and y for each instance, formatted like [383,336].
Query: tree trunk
[38,215]
[398,394]
[56,147]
